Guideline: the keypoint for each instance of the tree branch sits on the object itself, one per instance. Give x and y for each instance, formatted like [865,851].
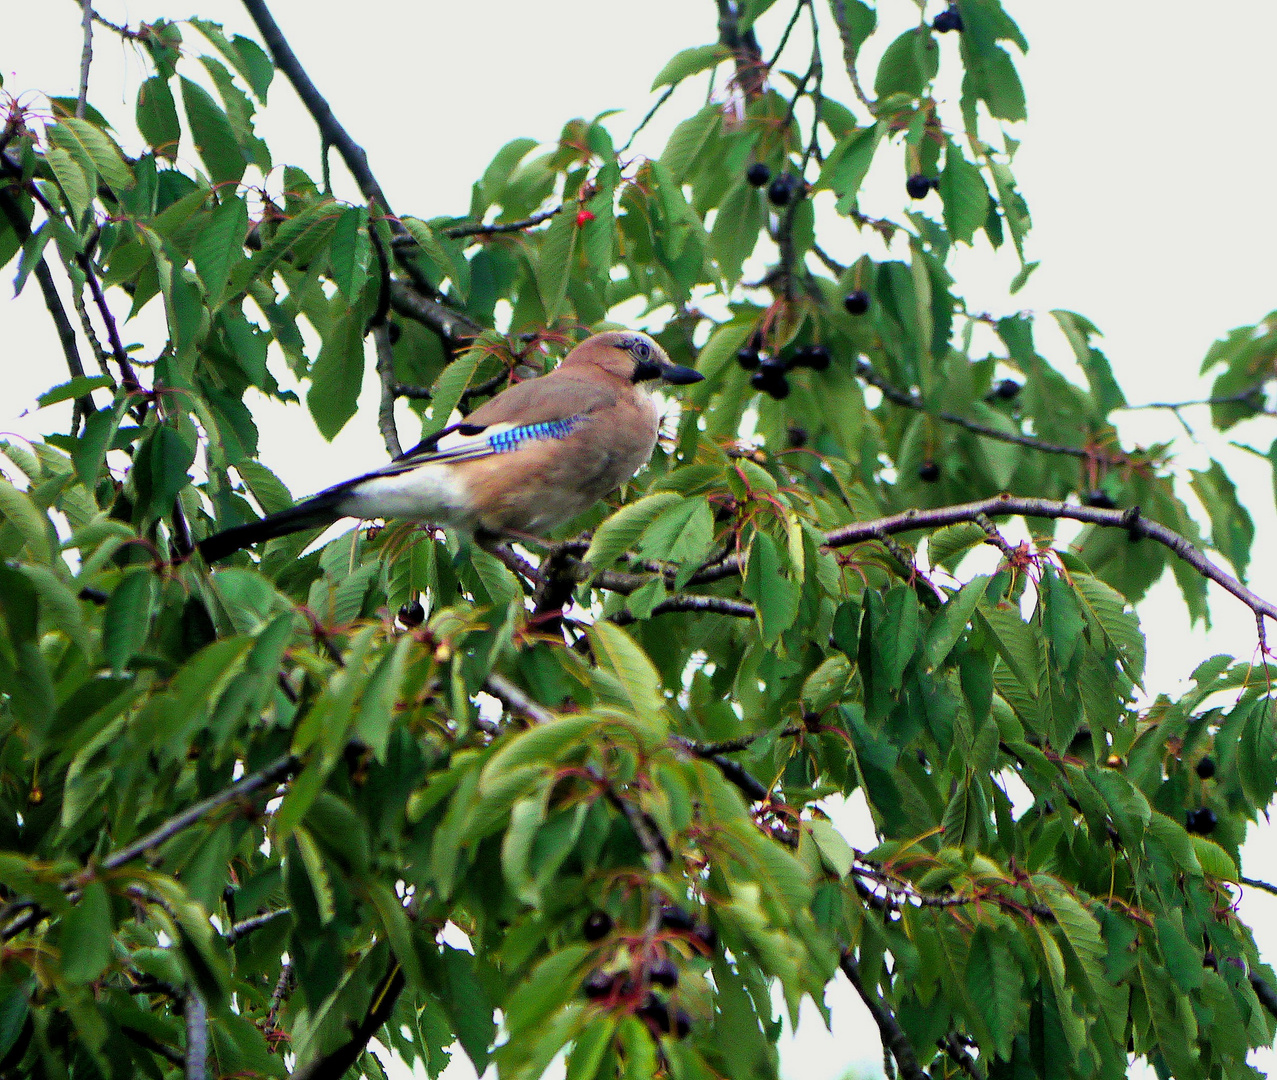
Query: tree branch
[86,57]
[437,316]
[850,52]
[321,112]
[386,374]
[53,302]
[893,1036]
[196,1035]
[713,605]
[495,229]
[245,927]
[900,397]
[333,1065]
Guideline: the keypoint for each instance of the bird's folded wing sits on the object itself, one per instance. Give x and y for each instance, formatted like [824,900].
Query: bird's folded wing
[467,442]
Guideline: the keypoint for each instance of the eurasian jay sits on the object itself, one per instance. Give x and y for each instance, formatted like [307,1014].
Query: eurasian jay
[533,457]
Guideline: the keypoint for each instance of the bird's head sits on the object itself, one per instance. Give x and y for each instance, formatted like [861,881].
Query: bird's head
[632,356]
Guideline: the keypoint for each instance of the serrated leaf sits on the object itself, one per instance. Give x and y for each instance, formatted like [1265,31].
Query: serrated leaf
[127,621]
[682,534]
[620,532]
[965,196]
[616,652]
[86,935]
[219,245]
[76,185]
[94,149]
[351,251]
[77,387]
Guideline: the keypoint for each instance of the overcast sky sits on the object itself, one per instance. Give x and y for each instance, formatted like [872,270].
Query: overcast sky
[1148,163]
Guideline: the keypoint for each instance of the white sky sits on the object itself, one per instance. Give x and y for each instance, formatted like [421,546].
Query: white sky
[1148,164]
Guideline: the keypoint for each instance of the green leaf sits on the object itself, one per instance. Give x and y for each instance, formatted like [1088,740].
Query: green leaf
[689,62]
[620,532]
[156,116]
[94,149]
[86,935]
[213,134]
[908,65]
[77,387]
[219,245]
[1232,530]
[448,388]
[775,597]
[337,375]
[951,621]
[965,196]
[554,261]
[682,534]
[127,621]
[36,530]
[616,652]
[76,184]
[826,685]
[351,251]
[848,164]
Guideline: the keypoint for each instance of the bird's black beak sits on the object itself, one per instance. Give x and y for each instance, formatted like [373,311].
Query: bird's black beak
[680,376]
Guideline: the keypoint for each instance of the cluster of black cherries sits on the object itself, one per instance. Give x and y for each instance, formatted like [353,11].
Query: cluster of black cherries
[615,987]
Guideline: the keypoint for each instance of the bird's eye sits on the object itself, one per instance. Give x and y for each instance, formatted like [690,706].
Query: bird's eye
[640,349]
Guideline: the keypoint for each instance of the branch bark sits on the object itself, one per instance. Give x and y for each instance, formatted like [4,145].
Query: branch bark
[333,1065]
[893,1036]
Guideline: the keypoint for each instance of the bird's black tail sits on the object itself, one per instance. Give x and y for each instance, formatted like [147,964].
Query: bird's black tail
[309,514]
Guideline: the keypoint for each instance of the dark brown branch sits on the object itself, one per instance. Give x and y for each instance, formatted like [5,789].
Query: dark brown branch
[713,605]
[900,397]
[1254,397]
[1011,506]
[458,231]
[1255,883]
[751,74]
[149,1042]
[421,393]
[952,1045]
[246,926]
[893,1036]
[443,320]
[276,770]
[669,90]
[333,1065]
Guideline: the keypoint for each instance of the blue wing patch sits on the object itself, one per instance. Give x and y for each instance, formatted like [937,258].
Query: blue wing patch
[469,444]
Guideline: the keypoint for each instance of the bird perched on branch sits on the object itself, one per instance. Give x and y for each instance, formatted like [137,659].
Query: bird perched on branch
[533,457]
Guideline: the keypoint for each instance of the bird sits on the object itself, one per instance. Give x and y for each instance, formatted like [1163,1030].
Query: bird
[535,456]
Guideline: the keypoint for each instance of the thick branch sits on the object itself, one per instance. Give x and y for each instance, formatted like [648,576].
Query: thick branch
[714,605]
[246,926]
[893,1037]
[196,1036]
[443,320]
[1011,505]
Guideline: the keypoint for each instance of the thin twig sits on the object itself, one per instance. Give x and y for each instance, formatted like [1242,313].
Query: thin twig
[496,228]
[516,700]
[386,374]
[123,31]
[246,926]
[850,51]
[1254,396]
[1255,883]
[897,396]
[650,113]
[86,57]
